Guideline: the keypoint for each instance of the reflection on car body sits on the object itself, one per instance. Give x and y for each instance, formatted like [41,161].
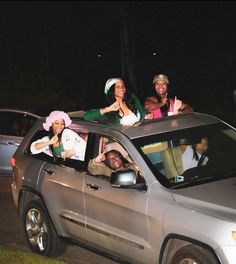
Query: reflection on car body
[165,215]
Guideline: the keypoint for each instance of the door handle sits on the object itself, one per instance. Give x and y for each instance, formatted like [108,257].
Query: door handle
[12,143]
[93,186]
[50,172]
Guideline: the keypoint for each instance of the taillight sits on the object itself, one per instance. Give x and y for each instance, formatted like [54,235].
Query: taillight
[13,162]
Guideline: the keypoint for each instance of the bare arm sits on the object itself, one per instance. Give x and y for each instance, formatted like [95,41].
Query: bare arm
[152,103]
[113,107]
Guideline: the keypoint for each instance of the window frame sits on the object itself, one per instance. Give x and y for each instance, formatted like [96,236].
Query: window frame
[78,165]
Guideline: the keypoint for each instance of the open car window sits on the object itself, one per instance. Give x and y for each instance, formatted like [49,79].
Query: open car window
[69,162]
[191,156]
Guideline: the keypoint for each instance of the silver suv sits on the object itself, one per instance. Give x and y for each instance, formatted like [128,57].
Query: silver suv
[167,214]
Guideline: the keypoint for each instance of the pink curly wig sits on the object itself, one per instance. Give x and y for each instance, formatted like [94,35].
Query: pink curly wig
[55,115]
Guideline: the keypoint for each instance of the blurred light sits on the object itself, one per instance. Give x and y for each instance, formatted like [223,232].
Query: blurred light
[99,55]
[154,53]
[234,235]
[13,162]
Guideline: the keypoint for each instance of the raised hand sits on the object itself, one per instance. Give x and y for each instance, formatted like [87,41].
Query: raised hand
[177,105]
[114,107]
[53,140]
[100,158]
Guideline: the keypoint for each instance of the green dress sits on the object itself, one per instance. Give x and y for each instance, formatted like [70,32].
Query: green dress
[58,150]
[96,114]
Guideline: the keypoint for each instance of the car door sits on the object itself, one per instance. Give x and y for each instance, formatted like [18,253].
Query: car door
[9,142]
[61,187]
[14,126]
[60,182]
[8,146]
[116,218]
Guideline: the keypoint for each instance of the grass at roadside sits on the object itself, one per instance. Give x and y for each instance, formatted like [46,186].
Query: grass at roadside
[10,256]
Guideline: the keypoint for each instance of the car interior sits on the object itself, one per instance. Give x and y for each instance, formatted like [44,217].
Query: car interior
[166,157]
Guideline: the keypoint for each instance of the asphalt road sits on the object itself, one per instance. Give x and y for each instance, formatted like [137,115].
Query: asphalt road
[12,236]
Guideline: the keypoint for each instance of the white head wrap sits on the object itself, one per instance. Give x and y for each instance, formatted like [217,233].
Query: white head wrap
[109,83]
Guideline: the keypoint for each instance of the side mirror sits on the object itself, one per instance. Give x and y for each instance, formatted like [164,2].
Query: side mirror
[123,178]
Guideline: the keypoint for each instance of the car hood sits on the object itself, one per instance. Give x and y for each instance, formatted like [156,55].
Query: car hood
[215,198]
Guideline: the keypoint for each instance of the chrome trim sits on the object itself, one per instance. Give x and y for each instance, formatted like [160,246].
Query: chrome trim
[72,220]
[121,239]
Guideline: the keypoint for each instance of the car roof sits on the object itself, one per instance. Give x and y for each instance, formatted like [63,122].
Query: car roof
[20,111]
[152,127]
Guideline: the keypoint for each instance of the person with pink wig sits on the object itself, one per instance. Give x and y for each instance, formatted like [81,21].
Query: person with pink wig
[61,141]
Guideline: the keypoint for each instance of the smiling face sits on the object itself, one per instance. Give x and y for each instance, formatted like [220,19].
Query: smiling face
[161,87]
[58,126]
[120,89]
[114,161]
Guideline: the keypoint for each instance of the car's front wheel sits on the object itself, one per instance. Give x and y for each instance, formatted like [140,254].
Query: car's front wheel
[39,231]
[192,254]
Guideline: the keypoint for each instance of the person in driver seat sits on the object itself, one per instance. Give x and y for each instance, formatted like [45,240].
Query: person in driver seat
[197,154]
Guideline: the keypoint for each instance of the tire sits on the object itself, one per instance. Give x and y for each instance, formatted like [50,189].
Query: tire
[40,233]
[192,254]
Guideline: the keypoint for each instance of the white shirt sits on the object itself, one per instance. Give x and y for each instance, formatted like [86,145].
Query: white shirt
[70,140]
[189,161]
[130,119]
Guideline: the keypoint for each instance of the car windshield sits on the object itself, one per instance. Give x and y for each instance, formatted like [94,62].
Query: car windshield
[191,156]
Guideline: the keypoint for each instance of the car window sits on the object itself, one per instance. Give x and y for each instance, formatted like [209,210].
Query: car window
[106,144]
[47,155]
[15,124]
[153,152]
[103,144]
[191,156]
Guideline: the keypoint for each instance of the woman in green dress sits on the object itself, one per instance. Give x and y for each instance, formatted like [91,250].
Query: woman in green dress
[124,108]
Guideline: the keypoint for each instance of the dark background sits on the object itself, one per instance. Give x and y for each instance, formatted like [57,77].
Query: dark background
[59,54]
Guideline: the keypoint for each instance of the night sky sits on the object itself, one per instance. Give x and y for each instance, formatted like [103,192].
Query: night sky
[75,46]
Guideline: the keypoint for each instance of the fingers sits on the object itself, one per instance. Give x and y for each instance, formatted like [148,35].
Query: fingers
[149,116]
[102,154]
[115,106]
[101,157]
[53,140]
